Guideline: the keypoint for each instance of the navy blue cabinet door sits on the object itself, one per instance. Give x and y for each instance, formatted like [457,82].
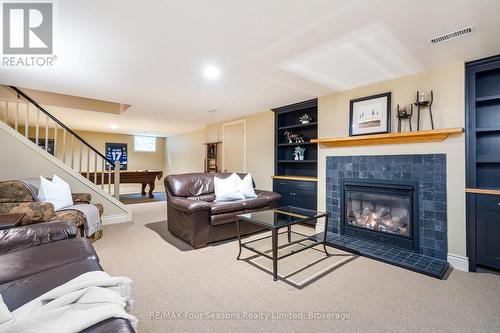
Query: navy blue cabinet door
[488,238]
[296,193]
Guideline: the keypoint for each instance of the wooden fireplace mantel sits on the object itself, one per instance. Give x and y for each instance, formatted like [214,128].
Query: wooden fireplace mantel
[390,138]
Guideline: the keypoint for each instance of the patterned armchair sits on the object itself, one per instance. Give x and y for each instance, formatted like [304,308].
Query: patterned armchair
[19,197]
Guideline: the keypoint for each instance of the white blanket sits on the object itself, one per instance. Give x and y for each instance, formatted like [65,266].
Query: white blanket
[92,219]
[74,306]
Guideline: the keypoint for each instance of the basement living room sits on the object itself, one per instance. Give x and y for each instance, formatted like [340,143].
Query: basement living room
[229,166]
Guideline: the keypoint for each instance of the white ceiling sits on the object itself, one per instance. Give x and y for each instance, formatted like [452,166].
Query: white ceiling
[150,54]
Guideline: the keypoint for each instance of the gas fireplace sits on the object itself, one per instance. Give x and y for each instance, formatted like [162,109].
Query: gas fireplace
[381,211]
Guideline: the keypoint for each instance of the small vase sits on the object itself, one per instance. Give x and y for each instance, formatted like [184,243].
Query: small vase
[301,157]
[424,98]
[305,122]
[296,158]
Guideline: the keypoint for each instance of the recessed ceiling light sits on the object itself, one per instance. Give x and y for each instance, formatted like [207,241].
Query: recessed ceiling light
[211,72]
[113,126]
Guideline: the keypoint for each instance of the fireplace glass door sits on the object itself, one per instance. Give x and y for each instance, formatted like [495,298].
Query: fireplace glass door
[378,209]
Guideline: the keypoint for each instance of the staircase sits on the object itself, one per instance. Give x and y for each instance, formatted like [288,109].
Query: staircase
[52,137]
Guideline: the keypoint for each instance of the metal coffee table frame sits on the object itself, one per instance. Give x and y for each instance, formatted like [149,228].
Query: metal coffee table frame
[274,238]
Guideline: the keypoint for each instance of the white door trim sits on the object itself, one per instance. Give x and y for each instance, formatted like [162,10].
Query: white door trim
[244,121]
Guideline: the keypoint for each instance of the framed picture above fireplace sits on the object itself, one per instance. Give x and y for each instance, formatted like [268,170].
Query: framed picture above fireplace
[370,115]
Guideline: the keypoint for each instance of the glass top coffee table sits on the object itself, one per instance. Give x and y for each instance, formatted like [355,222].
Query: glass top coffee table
[275,219]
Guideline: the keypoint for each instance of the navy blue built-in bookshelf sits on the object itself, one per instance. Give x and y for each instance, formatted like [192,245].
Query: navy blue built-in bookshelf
[483,162]
[294,179]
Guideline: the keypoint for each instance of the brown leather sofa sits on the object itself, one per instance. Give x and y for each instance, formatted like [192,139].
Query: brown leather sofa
[195,217]
[35,259]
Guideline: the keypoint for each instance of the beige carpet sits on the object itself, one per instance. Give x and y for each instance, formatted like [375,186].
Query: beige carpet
[178,289]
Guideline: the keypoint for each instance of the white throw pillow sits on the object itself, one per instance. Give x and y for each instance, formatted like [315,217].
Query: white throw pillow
[57,192]
[245,186]
[227,189]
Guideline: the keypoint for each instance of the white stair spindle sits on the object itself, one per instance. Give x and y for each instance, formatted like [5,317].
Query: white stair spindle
[95,168]
[116,180]
[81,157]
[109,178]
[88,163]
[64,146]
[16,118]
[37,126]
[46,133]
[72,152]
[102,175]
[27,121]
[55,140]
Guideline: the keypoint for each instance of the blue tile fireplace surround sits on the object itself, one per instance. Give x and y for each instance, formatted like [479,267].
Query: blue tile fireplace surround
[427,174]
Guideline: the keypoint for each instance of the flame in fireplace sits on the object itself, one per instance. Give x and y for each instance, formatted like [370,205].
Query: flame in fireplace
[390,220]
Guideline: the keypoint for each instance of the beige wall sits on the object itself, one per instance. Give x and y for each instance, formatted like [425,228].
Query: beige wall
[185,152]
[447,82]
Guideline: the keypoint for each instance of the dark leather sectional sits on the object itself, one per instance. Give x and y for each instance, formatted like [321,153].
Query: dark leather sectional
[37,258]
[196,218]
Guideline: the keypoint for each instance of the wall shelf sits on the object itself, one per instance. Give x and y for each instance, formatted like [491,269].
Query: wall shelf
[487,160]
[294,161]
[295,144]
[391,138]
[306,179]
[487,98]
[487,129]
[297,126]
[482,191]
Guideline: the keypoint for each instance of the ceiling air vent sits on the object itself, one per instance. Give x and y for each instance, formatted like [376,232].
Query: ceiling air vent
[451,35]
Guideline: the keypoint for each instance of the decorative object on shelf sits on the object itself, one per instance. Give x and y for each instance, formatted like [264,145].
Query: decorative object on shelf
[424,100]
[370,115]
[305,119]
[299,153]
[404,113]
[293,137]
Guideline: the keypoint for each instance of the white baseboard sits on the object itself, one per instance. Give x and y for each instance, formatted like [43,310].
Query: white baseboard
[113,219]
[458,262]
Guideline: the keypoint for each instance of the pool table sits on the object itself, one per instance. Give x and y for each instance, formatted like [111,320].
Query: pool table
[143,177]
